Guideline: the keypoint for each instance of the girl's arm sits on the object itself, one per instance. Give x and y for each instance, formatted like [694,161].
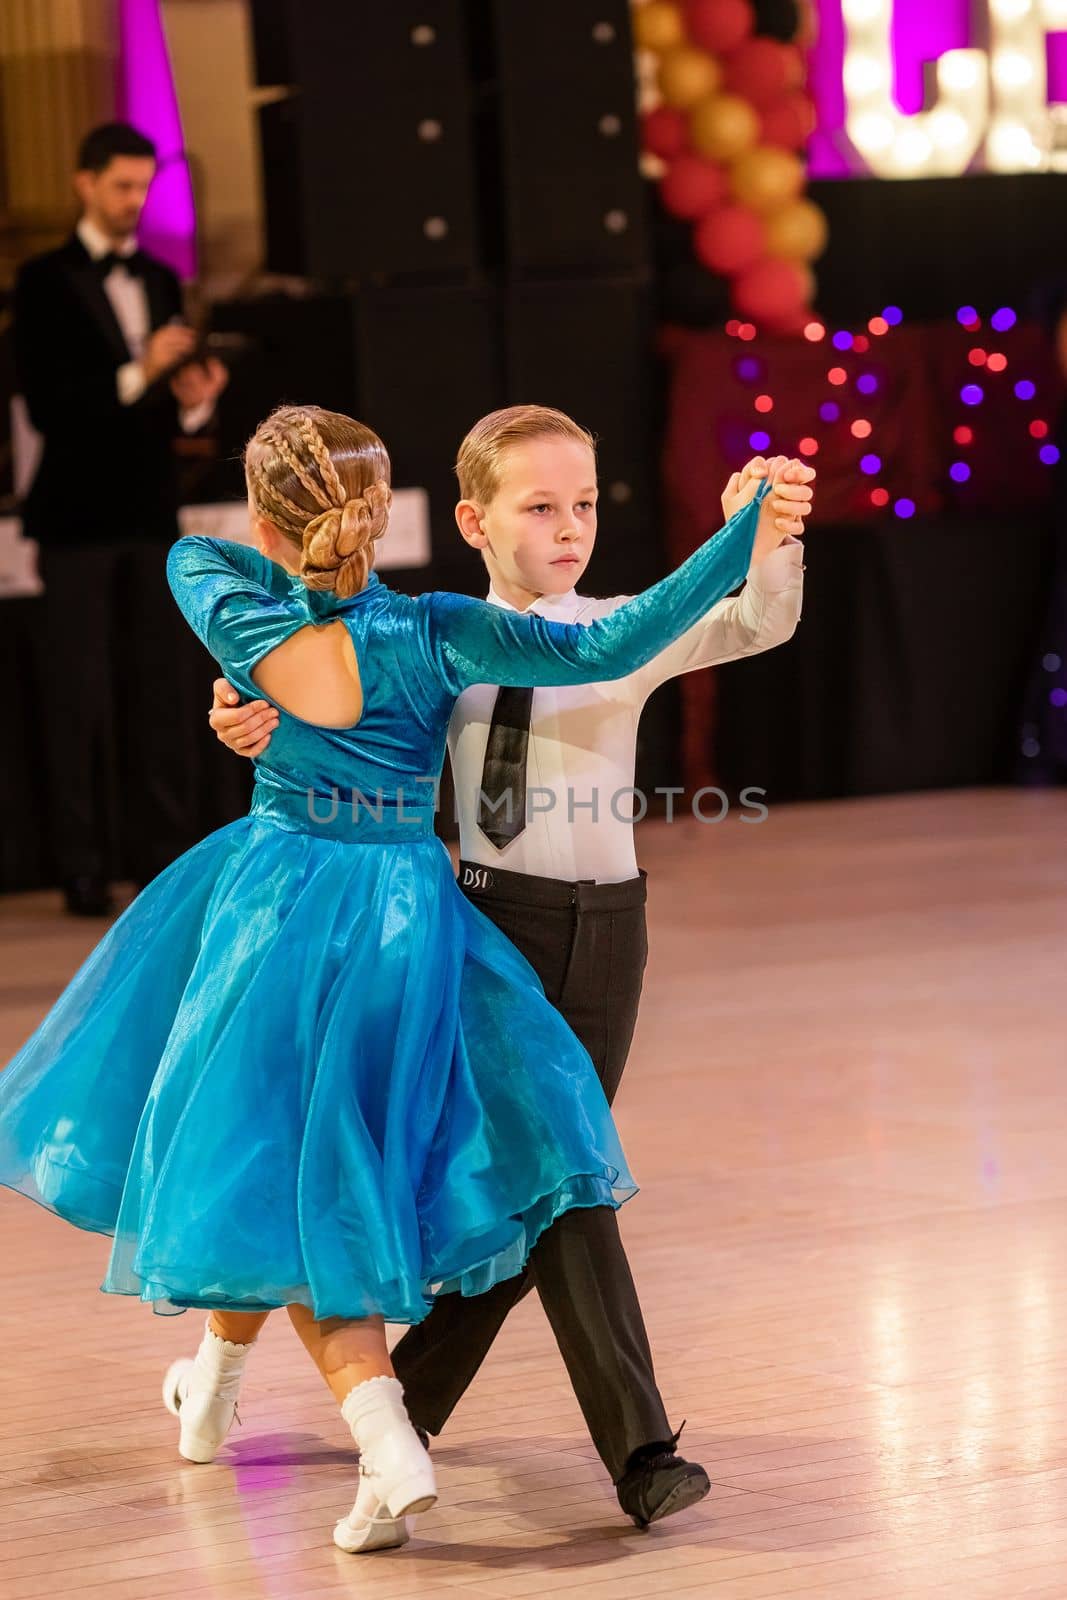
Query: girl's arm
[239,604]
[472,642]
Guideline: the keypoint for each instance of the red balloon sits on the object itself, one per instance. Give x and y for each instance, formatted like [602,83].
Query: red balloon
[665,132]
[789,123]
[729,240]
[691,187]
[773,293]
[719,25]
[763,70]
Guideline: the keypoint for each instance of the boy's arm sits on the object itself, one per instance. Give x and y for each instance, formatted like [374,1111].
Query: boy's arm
[767,610]
[244,729]
[764,614]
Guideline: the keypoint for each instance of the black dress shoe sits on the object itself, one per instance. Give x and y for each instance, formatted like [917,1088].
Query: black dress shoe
[88,897]
[658,1482]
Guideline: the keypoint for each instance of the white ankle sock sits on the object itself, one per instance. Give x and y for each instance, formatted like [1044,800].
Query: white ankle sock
[373,1408]
[219,1365]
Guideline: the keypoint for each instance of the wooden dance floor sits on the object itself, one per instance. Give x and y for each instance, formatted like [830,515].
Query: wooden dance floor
[846,1105]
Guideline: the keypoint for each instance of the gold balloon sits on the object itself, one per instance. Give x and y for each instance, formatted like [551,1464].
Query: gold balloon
[798,232]
[767,178]
[687,75]
[658,26]
[723,126]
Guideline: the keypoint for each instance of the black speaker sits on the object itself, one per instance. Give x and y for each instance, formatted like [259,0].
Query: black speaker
[368,167]
[585,347]
[280,350]
[428,366]
[569,147]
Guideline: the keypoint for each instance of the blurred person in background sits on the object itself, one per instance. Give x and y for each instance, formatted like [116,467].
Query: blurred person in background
[109,373]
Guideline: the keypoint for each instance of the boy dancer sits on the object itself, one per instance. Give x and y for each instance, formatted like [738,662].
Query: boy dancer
[560,878]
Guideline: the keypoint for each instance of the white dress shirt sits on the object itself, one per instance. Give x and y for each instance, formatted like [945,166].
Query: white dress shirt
[129,302]
[583,740]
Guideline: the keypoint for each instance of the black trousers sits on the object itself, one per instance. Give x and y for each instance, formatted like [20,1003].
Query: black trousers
[116,769]
[588,944]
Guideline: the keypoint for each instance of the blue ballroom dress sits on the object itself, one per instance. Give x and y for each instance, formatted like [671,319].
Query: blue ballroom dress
[301,1066]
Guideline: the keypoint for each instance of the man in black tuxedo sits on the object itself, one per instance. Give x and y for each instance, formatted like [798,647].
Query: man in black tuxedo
[109,375]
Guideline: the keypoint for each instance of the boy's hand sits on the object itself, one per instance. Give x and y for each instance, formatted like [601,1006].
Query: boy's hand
[786,505]
[245,730]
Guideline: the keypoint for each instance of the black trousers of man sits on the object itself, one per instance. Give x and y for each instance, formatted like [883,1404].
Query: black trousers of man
[588,944]
[111,637]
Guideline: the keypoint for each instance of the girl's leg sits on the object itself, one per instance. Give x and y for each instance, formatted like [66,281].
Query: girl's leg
[347,1353]
[237,1327]
[203,1393]
[396,1474]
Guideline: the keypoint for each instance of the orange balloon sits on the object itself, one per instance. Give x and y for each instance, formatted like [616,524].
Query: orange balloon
[658,26]
[687,76]
[798,232]
[767,178]
[723,126]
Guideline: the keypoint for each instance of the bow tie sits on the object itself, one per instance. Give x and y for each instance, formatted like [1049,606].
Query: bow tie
[133,264]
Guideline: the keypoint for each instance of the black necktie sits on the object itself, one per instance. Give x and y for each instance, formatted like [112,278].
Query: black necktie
[502,802]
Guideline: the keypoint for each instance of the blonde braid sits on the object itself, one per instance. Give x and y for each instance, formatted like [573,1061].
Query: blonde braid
[265,492]
[281,443]
[327,471]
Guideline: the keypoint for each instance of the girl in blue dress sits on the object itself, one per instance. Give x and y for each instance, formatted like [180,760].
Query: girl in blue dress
[302,1069]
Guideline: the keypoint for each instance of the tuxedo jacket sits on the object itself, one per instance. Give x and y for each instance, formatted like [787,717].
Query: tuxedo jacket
[108,471]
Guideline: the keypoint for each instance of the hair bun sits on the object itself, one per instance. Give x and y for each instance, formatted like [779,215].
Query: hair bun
[337,543]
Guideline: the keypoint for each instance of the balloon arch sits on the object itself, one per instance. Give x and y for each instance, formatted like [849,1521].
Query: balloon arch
[727,115]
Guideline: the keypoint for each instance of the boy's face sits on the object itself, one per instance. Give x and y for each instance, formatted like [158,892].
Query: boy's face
[537,533]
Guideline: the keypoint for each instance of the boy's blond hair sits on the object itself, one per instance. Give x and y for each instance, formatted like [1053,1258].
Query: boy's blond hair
[480,461]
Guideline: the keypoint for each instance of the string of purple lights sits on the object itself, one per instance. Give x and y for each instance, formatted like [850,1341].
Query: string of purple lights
[751,368]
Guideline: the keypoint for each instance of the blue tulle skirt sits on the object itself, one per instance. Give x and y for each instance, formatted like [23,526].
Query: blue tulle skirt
[300,1070]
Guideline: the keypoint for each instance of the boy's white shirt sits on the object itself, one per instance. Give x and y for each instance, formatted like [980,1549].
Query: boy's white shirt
[583,740]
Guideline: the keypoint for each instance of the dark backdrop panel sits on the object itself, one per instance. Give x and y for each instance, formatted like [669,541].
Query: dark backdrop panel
[931,245]
[906,672]
[428,366]
[369,167]
[572,192]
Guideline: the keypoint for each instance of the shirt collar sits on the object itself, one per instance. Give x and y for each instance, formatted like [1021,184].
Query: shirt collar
[553,607]
[99,245]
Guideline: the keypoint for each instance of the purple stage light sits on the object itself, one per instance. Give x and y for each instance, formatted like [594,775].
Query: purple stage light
[959,472]
[870,464]
[146,98]
[971,394]
[866,383]
[748,369]
[759,440]
[1058,697]
[843,341]
[829,411]
[1025,390]
[893,315]
[1049,454]
[966,316]
[905,508]
[1003,319]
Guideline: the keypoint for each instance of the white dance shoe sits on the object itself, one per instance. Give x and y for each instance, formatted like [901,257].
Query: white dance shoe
[203,1393]
[397,1476]
[369,1525]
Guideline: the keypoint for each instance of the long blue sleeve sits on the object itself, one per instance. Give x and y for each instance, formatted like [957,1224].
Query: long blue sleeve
[473,642]
[239,604]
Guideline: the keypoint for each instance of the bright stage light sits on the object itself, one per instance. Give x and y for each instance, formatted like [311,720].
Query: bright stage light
[1010,10]
[1012,70]
[864,75]
[995,98]
[1011,148]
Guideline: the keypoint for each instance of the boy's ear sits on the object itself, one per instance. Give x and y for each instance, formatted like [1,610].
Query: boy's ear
[469,522]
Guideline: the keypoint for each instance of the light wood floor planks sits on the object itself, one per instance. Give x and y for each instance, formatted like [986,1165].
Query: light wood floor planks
[846,1105]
